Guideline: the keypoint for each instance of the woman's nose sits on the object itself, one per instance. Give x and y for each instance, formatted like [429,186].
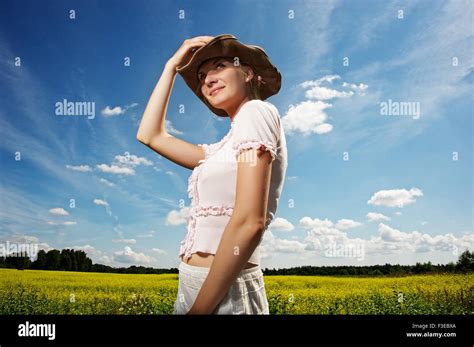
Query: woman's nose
[210,77]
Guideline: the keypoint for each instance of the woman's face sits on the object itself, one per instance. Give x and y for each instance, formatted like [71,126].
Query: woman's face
[223,84]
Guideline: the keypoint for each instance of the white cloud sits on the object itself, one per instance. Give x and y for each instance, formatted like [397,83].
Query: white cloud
[114,169]
[307,117]
[281,224]
[126,241]
[62,223]
[318,92]
[97,256]
[23,239]
[395,197]
[128,256]
[177,217]
[170,129]
[315,83]
[159,251]
[107,182]
[147,235]
[360,89]
[399,241]
[123,165]
[374,217]
[108,209]
[308,223]
[131,160]
[320,234]
[390,234]
[344,224]
[323,233]
[272,245]
[116,111]
[324,93]
[101,202]
[21,211]
[59,211]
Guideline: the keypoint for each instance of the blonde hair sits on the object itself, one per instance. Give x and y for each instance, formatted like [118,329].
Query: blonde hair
[254,83]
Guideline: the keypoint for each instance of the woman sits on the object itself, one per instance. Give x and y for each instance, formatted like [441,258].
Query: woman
[235,183]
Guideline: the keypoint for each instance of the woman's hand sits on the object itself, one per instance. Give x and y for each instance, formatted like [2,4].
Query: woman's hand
[186,51]
[194,311]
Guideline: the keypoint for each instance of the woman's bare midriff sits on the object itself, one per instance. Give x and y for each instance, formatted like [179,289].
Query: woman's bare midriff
[205,260]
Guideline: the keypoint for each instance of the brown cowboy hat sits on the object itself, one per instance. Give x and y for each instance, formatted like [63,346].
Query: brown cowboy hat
[227,45]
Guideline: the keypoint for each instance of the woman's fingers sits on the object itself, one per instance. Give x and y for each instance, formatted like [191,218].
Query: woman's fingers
[189,46]
[204,39]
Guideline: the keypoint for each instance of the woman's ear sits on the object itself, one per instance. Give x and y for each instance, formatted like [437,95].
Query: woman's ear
[250,74]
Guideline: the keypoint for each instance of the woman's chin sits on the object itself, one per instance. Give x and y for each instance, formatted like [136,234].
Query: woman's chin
[217,102]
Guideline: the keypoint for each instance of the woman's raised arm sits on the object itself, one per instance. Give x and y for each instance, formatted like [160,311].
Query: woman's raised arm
[152,130]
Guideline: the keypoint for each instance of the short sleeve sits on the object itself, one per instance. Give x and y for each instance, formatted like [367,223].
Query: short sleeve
[257,125]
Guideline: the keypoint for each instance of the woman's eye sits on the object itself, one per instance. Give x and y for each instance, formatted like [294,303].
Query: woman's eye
[203,76]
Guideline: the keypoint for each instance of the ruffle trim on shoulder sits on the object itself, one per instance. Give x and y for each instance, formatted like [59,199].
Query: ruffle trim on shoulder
[257,144]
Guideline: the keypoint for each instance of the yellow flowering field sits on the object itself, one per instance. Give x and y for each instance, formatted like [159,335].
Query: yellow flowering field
[58,292]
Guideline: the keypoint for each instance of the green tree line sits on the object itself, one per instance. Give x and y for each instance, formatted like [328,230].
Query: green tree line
[70,260]
[77,260]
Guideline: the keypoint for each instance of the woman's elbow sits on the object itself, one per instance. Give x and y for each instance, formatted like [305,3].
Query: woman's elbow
[253,226]
[141,139]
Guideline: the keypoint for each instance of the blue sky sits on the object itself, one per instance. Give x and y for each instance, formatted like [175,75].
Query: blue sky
[363,186]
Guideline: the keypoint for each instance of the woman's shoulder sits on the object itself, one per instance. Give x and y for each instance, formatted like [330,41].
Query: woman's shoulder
[257,103]
[257,118]
[264,108]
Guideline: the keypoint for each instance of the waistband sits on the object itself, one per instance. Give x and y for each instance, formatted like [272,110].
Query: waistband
[199,271]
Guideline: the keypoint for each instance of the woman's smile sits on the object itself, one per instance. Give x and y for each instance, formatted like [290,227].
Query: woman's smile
[216,91]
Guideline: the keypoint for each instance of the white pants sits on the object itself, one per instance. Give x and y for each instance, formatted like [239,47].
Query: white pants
[246,295]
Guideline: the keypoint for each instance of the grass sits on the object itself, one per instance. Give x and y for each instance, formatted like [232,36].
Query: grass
[59,292]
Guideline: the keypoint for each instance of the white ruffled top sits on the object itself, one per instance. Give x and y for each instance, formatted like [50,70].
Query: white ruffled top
[212,184]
